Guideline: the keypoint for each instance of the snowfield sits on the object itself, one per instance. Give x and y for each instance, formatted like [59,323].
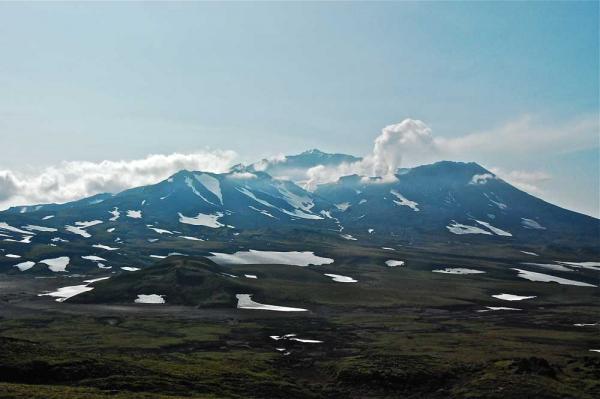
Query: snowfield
[202,220]
[458,228]
[64,293]
[245,302]
[394,263]
[134,214]
[212,184]
[510,297]
[341,279]
[403,201]
[57,264]
[270,257]
[151,298]
[24,265]
[458,270]
[533,276]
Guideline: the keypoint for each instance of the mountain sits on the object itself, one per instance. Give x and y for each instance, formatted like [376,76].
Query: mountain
[238,199]
[450,200]
[294,167]
[196,213]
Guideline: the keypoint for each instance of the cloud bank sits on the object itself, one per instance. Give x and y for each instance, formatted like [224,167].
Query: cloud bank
[405,144]
[78,179]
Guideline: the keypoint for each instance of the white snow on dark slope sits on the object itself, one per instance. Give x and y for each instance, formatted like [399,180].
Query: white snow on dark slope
[496,230]
[531,224]
[533,276]
[403,201]
[212,184]
[39,228]
[57,264]
[458,228]
[134,214]
[202,220]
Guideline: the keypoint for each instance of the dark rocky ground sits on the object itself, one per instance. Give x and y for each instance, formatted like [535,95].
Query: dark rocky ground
[398,332]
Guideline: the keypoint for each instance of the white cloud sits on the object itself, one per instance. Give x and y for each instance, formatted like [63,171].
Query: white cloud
[407,142]
[263,164]
[521,137]
[77,179]
[481,179]
[528,181]
[242,175]
[411,143]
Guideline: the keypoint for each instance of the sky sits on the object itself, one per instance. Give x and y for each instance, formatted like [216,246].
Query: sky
[105,88]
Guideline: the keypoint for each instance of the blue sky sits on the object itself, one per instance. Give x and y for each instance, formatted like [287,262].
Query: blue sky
[89,82]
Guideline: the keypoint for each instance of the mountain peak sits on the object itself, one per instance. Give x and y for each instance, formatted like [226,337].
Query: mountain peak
[314,151]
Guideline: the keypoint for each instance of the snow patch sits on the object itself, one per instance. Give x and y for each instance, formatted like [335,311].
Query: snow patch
[202,220]
[492,308]
[39,228]
[511,297]
[529,253]
[261,211]
[533,276]
[341,279]
[583,265]
[8,227]
[64,293]
[343,206]
[160,231]
[531,224]
[348,237]
[57,264]
[394,263]
[24,265]
[245,302]
[460,229]
[550,266]
[134,214]
[115,214]
[191,238]
[458,270]
[106,247]
[79,227]
[212,184]
[151,298]
[94,258]
[252,256]
[403,201]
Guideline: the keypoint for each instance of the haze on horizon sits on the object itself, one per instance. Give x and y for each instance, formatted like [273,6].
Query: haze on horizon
[512,86]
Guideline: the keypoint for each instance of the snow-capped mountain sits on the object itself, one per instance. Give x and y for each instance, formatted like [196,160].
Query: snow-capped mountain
[236,200]
[445,202]
[449,199]
[294,167]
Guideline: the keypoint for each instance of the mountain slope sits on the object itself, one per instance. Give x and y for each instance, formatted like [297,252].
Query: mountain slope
[449,199]
[194,213]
